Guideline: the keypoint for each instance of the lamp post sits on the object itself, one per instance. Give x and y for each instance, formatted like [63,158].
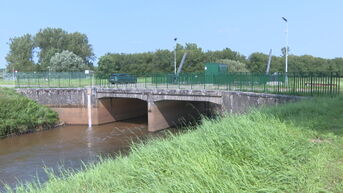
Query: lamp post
[286,51]
[175,39]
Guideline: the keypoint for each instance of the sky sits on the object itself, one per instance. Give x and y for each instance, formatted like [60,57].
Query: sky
[131,26]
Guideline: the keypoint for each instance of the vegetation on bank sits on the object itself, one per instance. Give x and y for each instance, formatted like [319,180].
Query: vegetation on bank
[288,148]
[18,114]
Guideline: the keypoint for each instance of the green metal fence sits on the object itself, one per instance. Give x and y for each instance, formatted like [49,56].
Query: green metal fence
[53,79]
[306,84]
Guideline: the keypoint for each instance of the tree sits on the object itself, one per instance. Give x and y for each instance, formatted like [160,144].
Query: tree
[195,58]
[47,42]
[67,61]
[107,64]
[233,65]
[257,62]
[162,61]
[54,40]
[20,56]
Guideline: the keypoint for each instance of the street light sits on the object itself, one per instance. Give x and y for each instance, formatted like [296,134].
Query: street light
[286,51]
[175,39]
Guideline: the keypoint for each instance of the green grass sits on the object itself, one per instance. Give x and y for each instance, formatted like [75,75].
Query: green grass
[19,114]
[6,82]
[55,83]
[290,148]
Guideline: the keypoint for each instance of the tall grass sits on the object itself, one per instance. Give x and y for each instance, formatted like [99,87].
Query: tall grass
[290,148]
[19,114]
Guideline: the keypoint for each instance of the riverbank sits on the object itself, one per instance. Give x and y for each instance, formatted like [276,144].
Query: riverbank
[19,115]
[290,148]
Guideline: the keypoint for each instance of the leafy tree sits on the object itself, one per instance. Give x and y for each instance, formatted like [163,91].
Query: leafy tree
[226,53]
[257,62]
[67,61]
[162,61]
[20,56]
[54,40]
[195,58]
[108,64]
[233,65]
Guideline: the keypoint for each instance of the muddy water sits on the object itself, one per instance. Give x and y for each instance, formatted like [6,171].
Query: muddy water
[22,158]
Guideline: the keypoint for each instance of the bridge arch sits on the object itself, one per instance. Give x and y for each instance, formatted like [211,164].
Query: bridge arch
[160,114]
[112,109]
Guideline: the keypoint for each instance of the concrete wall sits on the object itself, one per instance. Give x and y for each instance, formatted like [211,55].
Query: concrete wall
[69,103]
[57,97]
[240,102]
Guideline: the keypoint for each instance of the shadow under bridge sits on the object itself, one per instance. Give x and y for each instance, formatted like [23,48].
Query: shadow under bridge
[160,114]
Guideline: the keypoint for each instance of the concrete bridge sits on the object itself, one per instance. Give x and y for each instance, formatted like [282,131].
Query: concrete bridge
[163,107]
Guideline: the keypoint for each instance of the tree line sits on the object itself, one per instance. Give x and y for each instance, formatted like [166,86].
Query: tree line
[54,49]
[162,61]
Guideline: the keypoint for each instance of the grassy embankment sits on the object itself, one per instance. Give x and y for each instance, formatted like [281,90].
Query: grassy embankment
[290,148]
[19,114]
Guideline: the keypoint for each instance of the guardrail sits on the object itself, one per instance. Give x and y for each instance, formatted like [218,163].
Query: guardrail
[304,84]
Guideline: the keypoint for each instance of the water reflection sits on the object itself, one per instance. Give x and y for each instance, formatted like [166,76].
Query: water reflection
[23,157]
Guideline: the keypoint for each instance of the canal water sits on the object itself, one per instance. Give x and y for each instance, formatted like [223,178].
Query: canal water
[23,158]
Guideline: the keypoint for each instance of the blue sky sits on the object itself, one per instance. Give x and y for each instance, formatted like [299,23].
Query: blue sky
[130,26]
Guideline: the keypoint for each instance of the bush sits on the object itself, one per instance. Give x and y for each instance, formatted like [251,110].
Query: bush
[19,114]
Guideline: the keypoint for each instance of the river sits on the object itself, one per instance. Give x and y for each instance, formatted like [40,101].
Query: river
[23,158]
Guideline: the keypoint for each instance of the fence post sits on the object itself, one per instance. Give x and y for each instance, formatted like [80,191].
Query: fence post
[204,81]
[145,81]
[48,79]
[331,83]
[252,81]
[311,82]
[294,85]
[191,81]
[38,81]
[79,77]
[278,85]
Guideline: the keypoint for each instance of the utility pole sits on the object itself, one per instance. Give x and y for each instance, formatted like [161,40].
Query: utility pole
[269,61]
[286,51]
[175,39]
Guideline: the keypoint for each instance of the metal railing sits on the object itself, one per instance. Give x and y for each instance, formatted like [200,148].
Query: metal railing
[305,84]
[53,79]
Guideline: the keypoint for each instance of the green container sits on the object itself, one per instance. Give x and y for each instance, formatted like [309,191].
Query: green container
[214,71]
[216,68]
